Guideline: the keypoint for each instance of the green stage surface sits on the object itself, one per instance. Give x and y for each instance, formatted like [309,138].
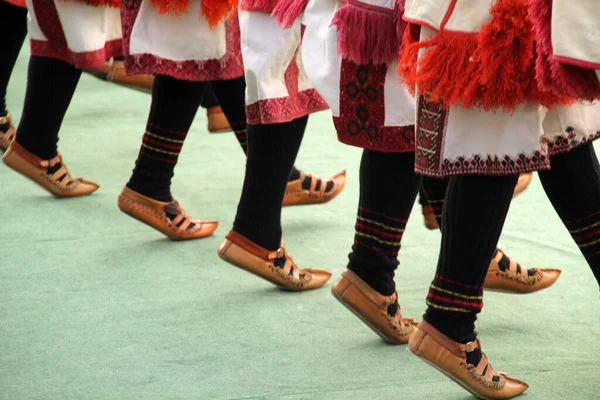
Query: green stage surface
[94,305]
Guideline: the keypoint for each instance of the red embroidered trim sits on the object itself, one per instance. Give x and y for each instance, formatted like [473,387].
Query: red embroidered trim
[230,66]
[56,44]
[431,127]
[284,109]
[565,143]
[362,111]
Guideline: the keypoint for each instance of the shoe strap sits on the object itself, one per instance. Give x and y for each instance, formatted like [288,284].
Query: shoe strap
[62,172]
[9,135]
[485,373]
[520,275]
[290,270]
[182,221]
[6,119]
[52,162]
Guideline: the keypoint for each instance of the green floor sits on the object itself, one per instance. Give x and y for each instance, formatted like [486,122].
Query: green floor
[94,305]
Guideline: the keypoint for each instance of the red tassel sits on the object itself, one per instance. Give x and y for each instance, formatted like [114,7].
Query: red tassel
[266,6]
[287,11]
[366,36]
[493,69]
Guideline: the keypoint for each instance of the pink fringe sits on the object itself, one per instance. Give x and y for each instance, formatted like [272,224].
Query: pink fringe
[266,6]
[553,76]
[287,11]
[401,24]
[366,36]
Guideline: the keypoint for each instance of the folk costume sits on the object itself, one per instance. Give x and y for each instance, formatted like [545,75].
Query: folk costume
[483,121]
[12,31]
[65,37]
[279,98]
[373,111]
[186,63]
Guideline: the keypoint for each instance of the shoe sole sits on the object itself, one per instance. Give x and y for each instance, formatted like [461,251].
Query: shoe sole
[365,321]
[461,384]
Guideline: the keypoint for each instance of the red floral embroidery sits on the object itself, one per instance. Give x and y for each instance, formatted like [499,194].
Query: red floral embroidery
[230,66]
[362,111]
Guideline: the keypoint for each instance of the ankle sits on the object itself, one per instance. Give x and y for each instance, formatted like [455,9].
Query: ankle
[381,281]
[154,191]
[263,236]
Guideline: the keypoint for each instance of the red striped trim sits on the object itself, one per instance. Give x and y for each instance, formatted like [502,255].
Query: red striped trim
[448,300]
[583,218]
[148,139]
[363,227]
[402,221]
[148,124]
[158,158]
[587,236]
[441,278]
[366,246]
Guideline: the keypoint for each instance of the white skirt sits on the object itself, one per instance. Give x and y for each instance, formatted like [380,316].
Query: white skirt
[277,87]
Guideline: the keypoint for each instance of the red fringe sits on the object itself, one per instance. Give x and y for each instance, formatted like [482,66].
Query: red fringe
[266,6]
[287,11]
[552,75]
[214,10]
[493,69]
[366,36]
[170,6]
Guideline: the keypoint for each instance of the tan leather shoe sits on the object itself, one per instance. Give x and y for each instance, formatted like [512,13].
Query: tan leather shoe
[58,182]
[295,195]
[217,121]
[371,307]
[237,250]
[517,280]
[114,71]
[7,137]
[429,218]
[522,183]
[450,358]
[166,217]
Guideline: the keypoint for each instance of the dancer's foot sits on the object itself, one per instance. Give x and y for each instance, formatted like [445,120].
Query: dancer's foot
[51,175]
[6,135]
[217,121]
[429,218]
[452,359]
[522,183]
[114,71]
[308,189]
[277,267]
[507,276]
[166,217]
[381,313]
